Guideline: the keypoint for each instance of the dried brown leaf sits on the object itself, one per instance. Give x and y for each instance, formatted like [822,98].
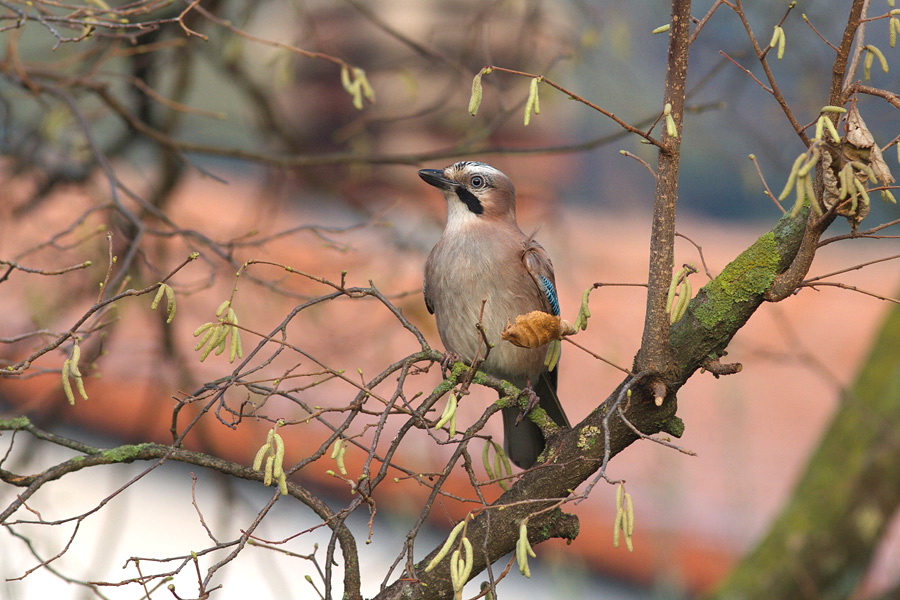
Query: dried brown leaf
[536,329]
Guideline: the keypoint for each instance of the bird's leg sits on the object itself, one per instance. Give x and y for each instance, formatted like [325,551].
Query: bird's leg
[533,400]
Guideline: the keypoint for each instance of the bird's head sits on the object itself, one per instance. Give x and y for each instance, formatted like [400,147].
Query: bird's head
[474,190]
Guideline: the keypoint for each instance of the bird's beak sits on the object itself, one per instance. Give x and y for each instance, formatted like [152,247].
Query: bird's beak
[436,178]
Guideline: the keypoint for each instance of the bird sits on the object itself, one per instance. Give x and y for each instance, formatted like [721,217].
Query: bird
[483,261]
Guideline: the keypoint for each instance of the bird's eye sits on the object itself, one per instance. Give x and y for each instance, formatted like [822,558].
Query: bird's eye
[477,182]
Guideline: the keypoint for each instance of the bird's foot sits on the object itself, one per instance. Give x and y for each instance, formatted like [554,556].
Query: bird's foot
[533,401]
[449,359]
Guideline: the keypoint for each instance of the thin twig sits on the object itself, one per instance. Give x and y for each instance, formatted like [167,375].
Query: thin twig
[853,268]
[700,252]
[641,161]
[576,97]
[852,288]
[747,71]
[860,234]
[816,31]
[859,44]
[768,192]
[597,356]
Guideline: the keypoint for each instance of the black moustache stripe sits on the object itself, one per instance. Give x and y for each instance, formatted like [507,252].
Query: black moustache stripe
[469,199]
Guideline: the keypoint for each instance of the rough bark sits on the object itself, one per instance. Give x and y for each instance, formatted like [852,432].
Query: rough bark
[655,353]
[727,302]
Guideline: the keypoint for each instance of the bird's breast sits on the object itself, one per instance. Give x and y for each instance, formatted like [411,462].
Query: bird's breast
[471,281]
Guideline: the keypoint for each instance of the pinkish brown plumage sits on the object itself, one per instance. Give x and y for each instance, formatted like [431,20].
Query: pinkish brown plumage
[484,258]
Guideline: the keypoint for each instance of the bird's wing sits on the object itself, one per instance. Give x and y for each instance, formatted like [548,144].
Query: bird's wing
[541,270]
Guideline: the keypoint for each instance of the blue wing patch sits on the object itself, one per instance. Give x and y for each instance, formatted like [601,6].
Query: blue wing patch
[550,292]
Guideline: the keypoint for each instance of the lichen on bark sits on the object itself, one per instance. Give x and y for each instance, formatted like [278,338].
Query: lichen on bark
[747,276]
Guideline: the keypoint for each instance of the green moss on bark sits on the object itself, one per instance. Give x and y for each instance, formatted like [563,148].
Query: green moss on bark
[748,276]
[127,453]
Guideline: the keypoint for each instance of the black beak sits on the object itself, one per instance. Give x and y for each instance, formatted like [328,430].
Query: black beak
[436,178]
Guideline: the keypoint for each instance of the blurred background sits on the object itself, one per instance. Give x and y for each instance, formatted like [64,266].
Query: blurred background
[224,128]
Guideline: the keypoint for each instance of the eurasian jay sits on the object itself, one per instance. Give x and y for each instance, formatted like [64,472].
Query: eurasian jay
[484,258]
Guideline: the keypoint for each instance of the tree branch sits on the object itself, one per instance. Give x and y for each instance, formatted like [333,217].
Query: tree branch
[655,353]
[93,456]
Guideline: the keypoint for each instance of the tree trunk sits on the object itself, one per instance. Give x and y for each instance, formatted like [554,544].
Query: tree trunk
[822,543]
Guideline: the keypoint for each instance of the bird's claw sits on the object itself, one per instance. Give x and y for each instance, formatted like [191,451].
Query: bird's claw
[533,401]
[449,359]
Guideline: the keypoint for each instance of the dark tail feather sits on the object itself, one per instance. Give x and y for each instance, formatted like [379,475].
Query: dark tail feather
[524,442]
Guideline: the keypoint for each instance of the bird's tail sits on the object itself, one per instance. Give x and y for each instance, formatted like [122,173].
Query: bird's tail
[524,441]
